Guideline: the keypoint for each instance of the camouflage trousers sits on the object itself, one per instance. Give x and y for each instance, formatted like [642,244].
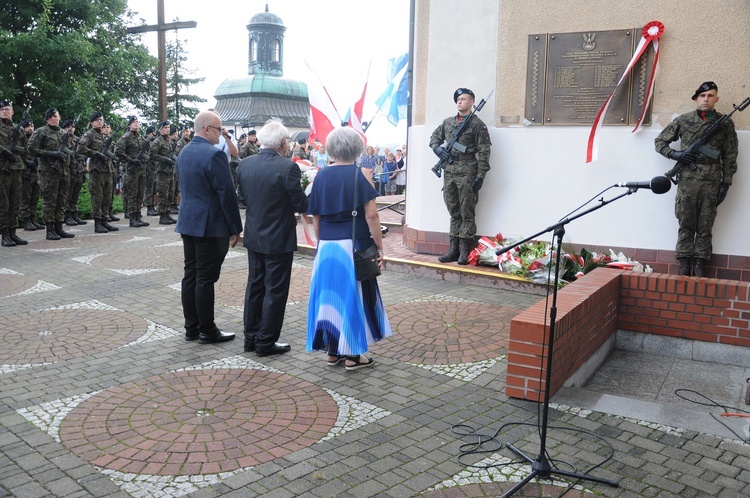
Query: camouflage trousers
[55,187]
[135,185]
[10,198]
[30,193]
[461,202]
[165,189]
[150,185]
[76,183]
[695,209]
[100,187]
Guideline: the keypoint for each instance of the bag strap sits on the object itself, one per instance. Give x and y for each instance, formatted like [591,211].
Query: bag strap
[354,208]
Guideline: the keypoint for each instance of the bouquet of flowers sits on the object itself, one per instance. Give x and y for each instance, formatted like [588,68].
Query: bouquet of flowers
[308,176]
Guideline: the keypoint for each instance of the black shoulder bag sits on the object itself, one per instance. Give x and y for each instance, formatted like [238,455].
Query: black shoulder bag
[366,260]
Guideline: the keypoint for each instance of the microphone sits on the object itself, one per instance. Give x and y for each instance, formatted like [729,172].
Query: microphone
[658,184]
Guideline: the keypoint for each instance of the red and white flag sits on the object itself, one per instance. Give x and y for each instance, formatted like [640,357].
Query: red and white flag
[324,117]
[355,118]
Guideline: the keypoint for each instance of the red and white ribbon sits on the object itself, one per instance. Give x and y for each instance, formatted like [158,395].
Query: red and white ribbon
[307,229]
[651,32]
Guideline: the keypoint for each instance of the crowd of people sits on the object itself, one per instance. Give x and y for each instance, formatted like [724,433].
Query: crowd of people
[213,175]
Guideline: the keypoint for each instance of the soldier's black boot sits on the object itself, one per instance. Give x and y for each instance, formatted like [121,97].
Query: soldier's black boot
[62,233]
[684,266]
[174,221]
[139,216]
[7,241]
[108,227]
[51,231]
[699,270]
[150,211]
[98,227]
[173,209]
[69,219]
[113,217]
[452,254]
[29,225]
[38,226]
[134,221]
[465,249]
[164,219]
[15,238]
[77,219]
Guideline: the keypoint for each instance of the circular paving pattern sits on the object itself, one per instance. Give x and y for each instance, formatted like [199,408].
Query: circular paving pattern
[446,333]
[13,283]
[230,289]
[198,422]
[54,335]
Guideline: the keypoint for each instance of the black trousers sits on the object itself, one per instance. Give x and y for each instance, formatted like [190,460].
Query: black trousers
[267,290]
[203,259]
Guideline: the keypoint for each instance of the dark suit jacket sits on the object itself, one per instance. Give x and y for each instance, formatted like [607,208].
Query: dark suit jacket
[271,187]
[209,206]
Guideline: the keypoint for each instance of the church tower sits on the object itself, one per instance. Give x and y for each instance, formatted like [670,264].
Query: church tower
[266,44]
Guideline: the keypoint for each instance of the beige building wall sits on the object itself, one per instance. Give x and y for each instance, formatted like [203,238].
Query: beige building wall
[538,173]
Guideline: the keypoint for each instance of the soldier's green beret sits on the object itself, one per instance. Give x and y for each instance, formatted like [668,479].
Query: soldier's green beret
[131,119]
[66,123]
[150,129]
[5,103]
[26,122]
[462,91]
[705,86]
[50,112]
[163,124]
[96,116]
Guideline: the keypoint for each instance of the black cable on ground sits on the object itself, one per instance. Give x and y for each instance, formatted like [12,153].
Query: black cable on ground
[713,404]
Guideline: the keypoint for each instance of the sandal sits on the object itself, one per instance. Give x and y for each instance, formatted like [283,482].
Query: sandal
[357,363]
[338,359]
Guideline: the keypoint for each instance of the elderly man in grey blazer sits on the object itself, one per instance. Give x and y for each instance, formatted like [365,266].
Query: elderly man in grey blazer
[271,187]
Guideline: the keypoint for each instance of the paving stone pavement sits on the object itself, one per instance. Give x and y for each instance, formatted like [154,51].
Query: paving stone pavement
[102,396]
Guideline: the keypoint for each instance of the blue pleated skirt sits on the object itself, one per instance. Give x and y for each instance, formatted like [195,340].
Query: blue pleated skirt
[344,316]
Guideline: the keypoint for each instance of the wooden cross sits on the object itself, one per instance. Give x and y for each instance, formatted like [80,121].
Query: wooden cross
[161,28]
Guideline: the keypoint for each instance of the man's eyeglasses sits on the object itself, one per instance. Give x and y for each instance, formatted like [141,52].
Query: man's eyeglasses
[217,128]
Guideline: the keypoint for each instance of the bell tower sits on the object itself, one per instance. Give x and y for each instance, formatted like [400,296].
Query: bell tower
[266,44]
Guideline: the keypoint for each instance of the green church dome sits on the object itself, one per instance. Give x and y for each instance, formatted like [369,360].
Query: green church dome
[262,85]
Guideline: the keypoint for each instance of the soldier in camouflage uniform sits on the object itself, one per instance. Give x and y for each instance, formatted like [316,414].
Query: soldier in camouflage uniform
[464,176]
[30,190]
[127,150]
[703,182]
[91,145]
[114,167]
[161,152]
[12,153]
[150,191]
[182,142]
[77,176]
[54,173]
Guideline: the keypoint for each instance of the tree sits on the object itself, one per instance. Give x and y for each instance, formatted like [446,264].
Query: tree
[74,55]
[179,110]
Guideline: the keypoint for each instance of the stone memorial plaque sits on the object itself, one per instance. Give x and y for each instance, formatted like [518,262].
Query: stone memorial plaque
[570,76]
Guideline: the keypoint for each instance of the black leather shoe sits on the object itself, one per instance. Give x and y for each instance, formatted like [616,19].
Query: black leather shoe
[191,336]
[249,347]
[215,336]
[277,348]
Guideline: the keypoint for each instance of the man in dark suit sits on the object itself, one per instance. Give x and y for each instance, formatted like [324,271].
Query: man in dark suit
[209,217]
[271,187]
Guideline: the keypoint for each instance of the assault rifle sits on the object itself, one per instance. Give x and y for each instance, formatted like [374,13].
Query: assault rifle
[452,142]
[700,143]
[108,143]
[140,153]
[64,145]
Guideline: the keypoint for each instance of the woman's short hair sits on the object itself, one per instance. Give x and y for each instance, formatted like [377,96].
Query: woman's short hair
[344,144]
[272,134]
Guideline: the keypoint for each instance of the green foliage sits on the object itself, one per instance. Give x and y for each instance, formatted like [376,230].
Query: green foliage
[74,55]
[179,110]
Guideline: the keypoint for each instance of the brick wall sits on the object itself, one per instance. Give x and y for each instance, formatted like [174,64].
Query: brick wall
[593,308]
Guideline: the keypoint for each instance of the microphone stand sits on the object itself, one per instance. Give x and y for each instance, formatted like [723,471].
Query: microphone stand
[540,466]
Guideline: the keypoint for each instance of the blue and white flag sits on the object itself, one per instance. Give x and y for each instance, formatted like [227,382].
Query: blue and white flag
[396,95]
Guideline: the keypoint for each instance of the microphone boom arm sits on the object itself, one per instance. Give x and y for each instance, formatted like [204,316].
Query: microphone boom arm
[563,222]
